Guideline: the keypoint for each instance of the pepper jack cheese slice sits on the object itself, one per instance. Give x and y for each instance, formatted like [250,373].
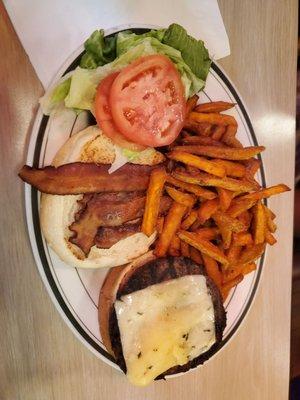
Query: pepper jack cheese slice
[165,325]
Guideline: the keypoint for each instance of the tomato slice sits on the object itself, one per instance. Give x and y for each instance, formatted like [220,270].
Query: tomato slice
[104,117]
[147,101]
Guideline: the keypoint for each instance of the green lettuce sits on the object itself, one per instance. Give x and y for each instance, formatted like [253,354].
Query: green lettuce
[99,50]
[128,39]
[55,97]
[106,55]
[193,51]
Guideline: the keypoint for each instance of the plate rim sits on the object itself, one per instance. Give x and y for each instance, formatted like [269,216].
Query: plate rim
[33,222]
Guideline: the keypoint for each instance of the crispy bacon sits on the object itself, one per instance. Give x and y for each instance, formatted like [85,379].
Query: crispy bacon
[107,237]
[76,178]
[103,212]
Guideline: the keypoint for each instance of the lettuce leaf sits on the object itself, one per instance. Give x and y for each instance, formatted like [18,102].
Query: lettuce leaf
[193,51]
[53,98]
[99,50]
[128,39]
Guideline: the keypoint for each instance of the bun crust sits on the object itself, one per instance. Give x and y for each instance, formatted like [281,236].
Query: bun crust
[57,212]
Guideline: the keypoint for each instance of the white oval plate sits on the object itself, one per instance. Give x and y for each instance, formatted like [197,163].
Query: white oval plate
[75,291]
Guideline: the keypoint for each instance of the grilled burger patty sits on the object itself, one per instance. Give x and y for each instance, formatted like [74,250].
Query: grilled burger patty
[157,271]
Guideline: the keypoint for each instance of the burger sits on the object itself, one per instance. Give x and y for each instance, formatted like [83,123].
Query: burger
[93,228]
[160,317]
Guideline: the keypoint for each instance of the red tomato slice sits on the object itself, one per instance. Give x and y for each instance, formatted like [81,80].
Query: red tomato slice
[104,117]
[147,101]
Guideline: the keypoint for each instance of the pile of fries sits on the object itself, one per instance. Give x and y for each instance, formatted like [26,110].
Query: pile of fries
[218,217]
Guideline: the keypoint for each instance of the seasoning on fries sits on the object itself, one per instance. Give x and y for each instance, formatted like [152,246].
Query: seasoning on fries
[217,217]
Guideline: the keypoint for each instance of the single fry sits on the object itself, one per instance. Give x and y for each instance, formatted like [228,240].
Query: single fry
[204,246]
[213,118]
[184,248]
[238,206]
[247,268]
[245,217]
[203,129]
[227,226]
[191,170]
[186,199]
[196,225]
[197,190]
[270,212]
[196,255]
[226,287]
[252,166]
[202,140]
[214,107]
[200,128]
[224,220]
[160,224]
[233,253]
[191,103]
[208,233]
[242,239]
[226,234]
[154,193]
[174,248]
[190,219]
[233,272]
[171,225]
[226,153]
[251,253]
[269,238]
[269,219]
[218,132]
[231,130]
[198,162]
[265,193]
[259,223]
[225,197]
[212,269]
[204,179]
[229,137]
[207,209]
[232,168]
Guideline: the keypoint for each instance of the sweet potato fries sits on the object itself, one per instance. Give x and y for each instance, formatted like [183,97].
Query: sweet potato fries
[218,217]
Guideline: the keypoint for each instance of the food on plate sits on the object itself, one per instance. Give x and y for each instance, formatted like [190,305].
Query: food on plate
[147,101]
[76,178]
[181,225]
[225,153]
[154,194]
[93,219]
[213,107]
[160,317]
[224,226]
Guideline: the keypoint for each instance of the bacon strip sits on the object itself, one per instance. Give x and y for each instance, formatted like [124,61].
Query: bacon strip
[101,211]
[76,178]
[107,237]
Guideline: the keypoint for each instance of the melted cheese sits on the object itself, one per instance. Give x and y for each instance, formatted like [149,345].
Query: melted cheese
[165,325]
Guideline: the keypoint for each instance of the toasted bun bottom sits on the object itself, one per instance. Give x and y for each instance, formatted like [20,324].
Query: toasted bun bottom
[57,212]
